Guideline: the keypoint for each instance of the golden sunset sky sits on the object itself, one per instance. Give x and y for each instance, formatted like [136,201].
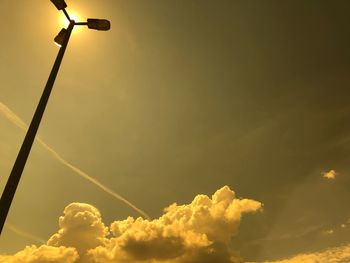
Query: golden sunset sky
[194,131]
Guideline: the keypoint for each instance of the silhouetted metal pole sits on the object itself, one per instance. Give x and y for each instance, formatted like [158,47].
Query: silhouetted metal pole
[16,173]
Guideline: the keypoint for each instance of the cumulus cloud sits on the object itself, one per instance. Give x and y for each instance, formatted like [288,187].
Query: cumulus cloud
[197,232]
[331,255]
[81,227]
[330,175]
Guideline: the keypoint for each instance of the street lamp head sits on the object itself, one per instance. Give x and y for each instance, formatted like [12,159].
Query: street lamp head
[98,24]
[60,4]
[60,37]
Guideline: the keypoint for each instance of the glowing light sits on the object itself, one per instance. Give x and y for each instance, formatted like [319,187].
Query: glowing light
[74,16]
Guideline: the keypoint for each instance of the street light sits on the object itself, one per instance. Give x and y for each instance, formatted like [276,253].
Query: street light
[62,40]
[98,24]
[59,39]
[60,4]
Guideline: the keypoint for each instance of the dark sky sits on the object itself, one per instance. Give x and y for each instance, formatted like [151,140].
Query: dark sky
[181,98]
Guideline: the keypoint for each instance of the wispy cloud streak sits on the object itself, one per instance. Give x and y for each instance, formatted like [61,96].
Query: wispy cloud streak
[11,116]
[24,234]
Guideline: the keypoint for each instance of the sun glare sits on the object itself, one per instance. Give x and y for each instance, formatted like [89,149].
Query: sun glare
[73,15]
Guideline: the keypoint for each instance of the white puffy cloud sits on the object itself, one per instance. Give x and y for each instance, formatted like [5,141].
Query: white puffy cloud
[330,175]
[331,255]
[197,232]
[81,227]
[42,254]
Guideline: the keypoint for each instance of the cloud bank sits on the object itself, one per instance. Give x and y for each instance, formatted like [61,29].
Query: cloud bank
[197,232]
[43,254]
[331,255]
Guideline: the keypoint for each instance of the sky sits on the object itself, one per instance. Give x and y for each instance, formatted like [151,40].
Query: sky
[192,131]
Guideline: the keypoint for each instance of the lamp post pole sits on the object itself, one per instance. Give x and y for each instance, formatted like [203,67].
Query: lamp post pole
[16,173]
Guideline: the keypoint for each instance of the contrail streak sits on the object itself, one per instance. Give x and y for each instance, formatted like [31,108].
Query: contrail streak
[11,116]
[24,234]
